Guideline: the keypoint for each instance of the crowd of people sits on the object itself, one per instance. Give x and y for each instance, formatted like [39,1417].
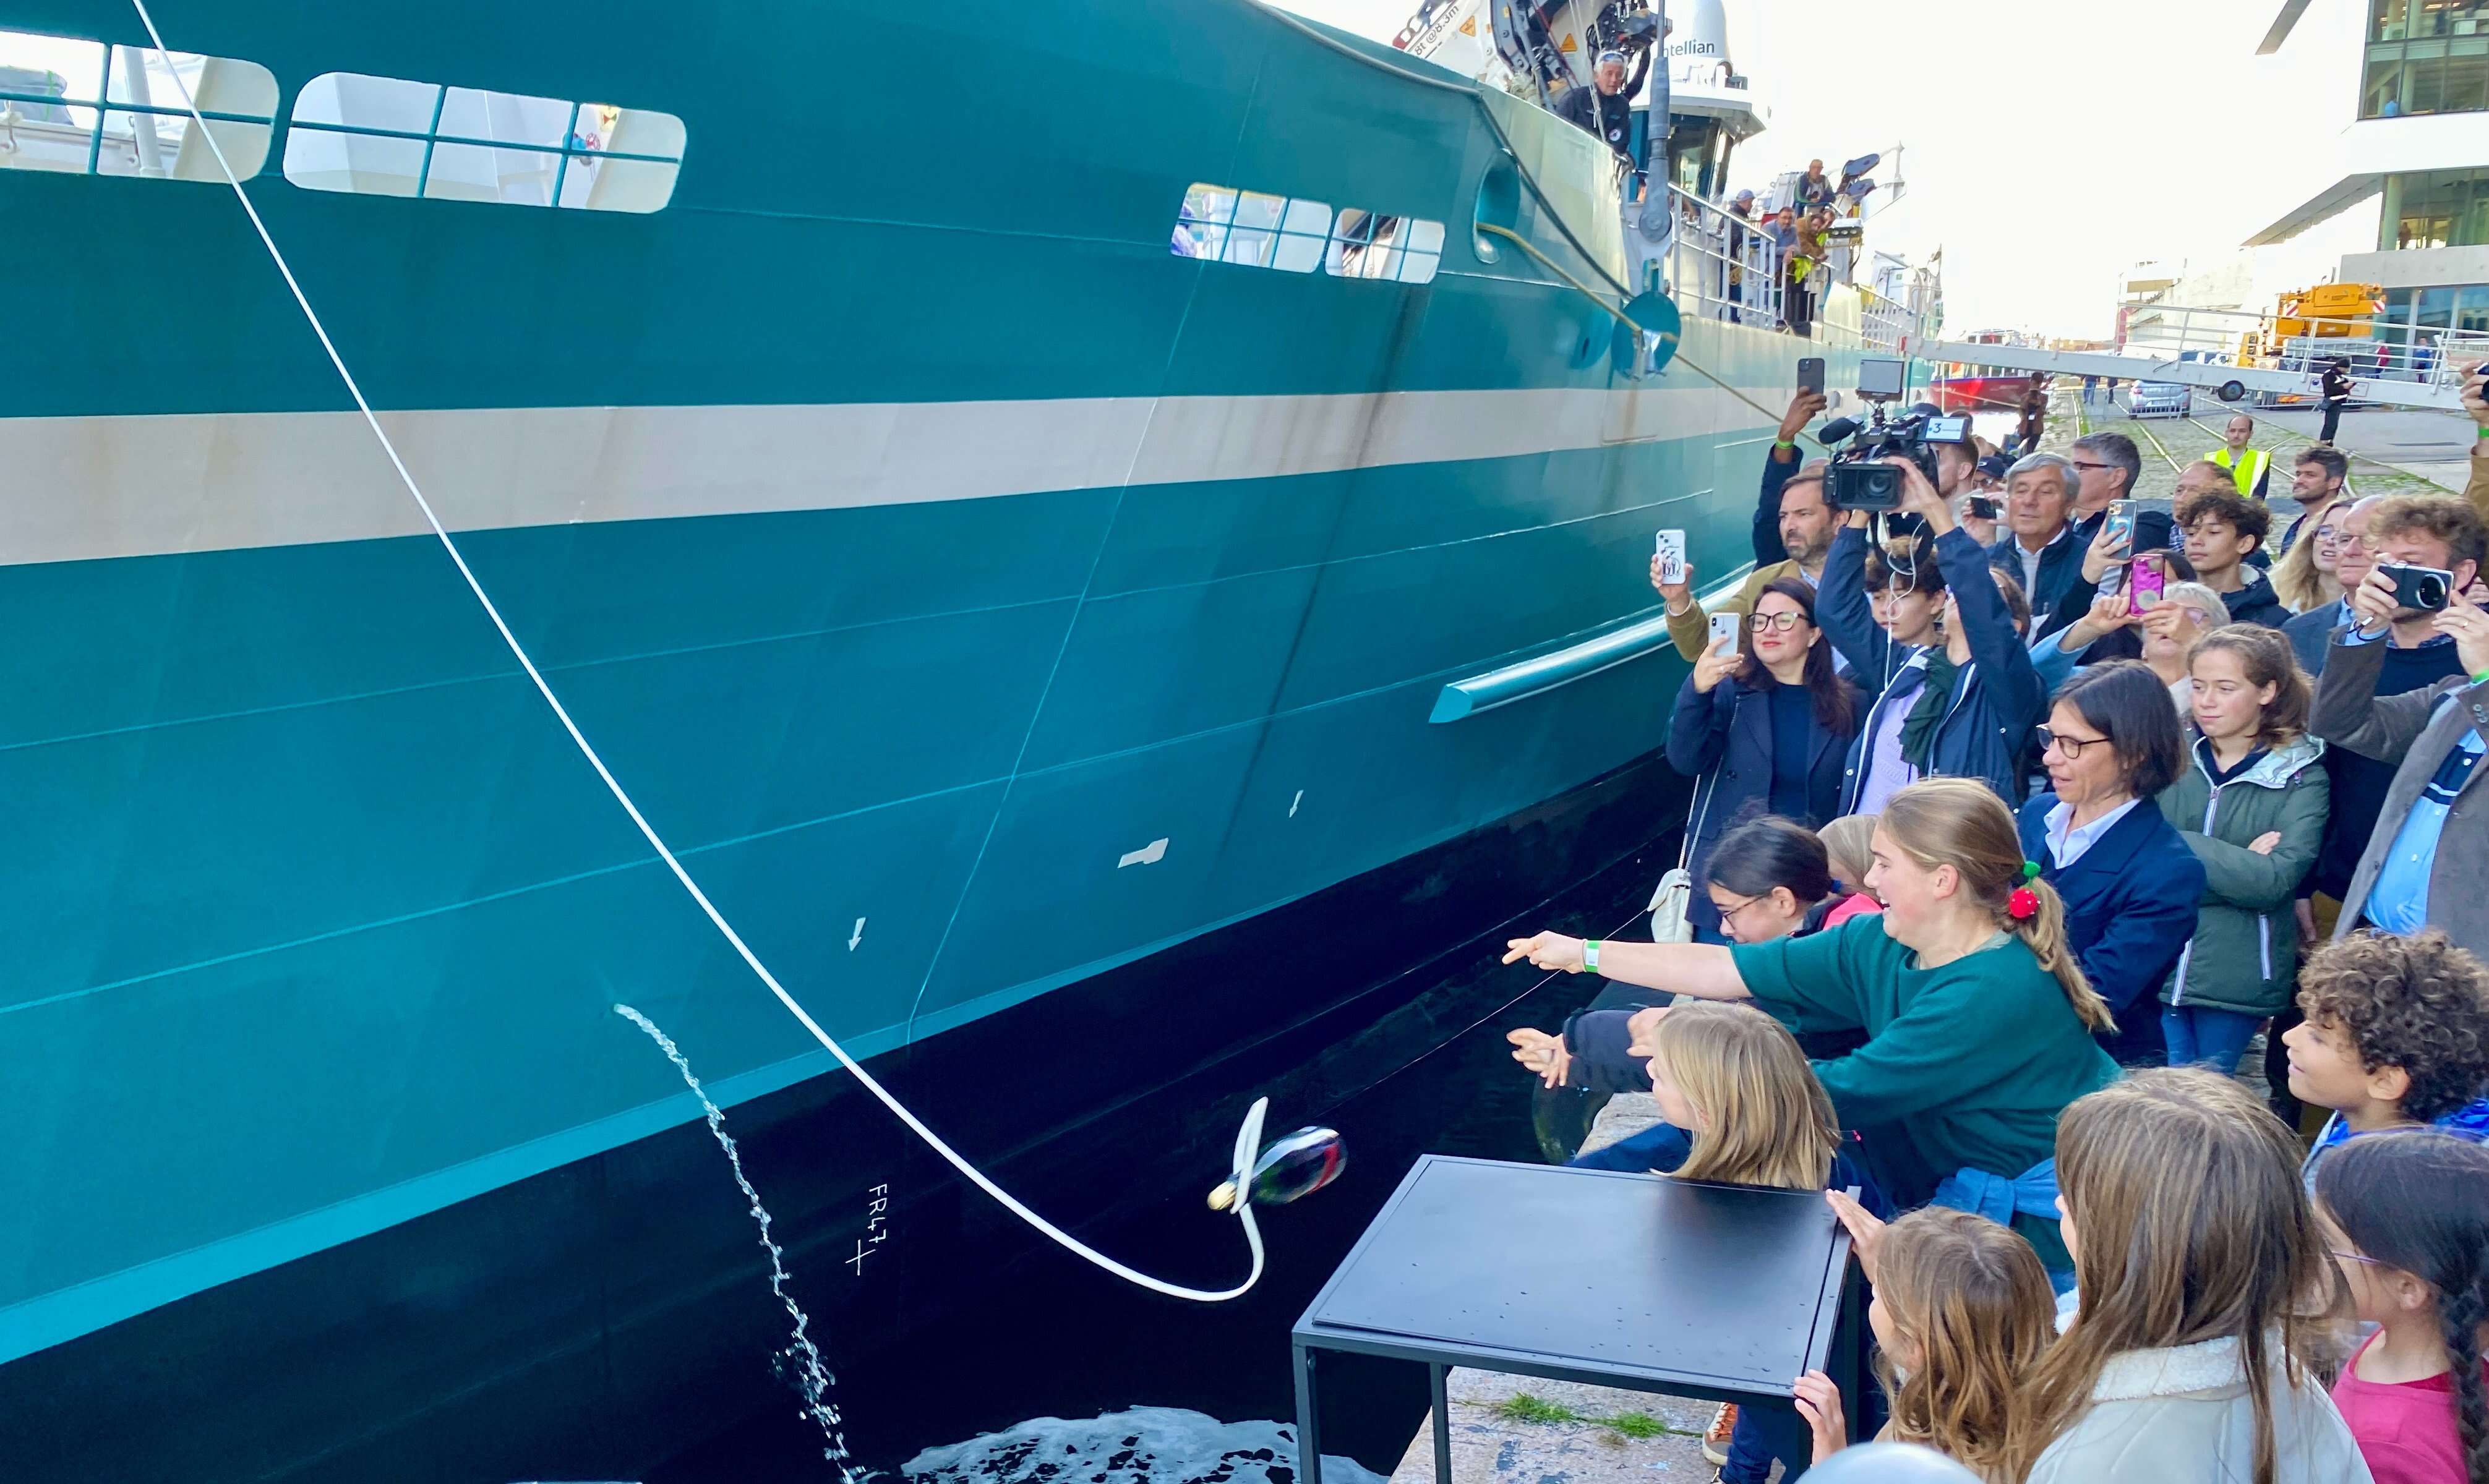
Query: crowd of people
[2007,844]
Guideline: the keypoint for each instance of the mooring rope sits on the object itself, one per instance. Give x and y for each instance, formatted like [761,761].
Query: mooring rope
[1246,1147]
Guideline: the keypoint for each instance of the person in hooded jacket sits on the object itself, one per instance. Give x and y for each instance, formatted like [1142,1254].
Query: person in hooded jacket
[2251,805]
[1927,630]
[2224,530]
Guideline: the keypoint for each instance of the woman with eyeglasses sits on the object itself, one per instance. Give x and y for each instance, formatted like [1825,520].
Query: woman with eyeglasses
[2339,540]
[1768,878]
[1763,727]
[2303,578]
[2130,884]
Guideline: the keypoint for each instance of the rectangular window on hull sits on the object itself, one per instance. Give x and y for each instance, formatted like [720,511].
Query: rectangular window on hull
[1222,224]
[389,137]
[80,107]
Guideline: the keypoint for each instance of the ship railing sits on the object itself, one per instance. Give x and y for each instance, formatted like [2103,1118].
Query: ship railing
[1885,324]
[1721,266]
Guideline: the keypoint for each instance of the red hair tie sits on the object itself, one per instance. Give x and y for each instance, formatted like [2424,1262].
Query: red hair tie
[2022,905]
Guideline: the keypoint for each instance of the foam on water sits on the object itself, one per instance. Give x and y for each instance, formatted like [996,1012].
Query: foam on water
[1144,1445]
[811,1378]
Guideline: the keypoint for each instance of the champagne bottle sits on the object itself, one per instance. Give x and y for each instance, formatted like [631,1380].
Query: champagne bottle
[1290,1169]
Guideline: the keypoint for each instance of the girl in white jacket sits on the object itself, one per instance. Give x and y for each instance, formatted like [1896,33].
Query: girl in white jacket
[2202,1287]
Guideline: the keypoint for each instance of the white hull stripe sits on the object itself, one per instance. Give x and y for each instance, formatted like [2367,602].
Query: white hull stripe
[89,486]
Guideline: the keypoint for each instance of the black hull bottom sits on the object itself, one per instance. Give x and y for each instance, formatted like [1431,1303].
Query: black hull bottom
[596,1320]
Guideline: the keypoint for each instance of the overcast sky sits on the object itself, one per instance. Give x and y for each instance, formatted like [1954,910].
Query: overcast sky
[2048,147]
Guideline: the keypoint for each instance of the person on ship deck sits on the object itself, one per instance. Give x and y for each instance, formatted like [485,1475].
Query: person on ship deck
[1605,108]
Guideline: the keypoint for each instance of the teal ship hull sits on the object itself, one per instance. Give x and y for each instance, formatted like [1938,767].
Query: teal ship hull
[992,607]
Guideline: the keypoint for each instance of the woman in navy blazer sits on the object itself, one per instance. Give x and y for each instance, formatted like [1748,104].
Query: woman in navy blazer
[1764,728]
[2130,883]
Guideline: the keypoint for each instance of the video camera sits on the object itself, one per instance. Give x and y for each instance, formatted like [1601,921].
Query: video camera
[1859,479]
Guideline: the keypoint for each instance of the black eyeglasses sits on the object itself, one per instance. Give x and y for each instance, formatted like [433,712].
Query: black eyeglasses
[1778,623]
[2071,747]
[2080,464]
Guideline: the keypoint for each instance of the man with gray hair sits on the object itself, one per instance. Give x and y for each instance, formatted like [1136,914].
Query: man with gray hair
[2040,548]
[1606,107]
[2109,466]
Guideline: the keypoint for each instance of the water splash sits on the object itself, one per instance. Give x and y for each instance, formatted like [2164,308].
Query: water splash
[1144,1445]
[812,1379]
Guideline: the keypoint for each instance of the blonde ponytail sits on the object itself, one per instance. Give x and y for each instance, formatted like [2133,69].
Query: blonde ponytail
[1961,822]
[2044,932]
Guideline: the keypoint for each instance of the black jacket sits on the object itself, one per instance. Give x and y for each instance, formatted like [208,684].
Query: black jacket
[2255,602]
[1725,740]
[2335,384]
[2062,595]
[1608,115]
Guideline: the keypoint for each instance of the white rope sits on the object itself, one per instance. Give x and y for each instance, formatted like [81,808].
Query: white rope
[1252,1123]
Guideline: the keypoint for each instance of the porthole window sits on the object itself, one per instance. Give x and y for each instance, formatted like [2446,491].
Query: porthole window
[1251,228]
[1256,229]
[1368,245]
[82,107]
[390,137]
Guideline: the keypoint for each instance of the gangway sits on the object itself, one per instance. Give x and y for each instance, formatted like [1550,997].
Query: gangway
[2224,378]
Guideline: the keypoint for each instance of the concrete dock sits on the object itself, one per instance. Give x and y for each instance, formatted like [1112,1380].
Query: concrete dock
[1520,1429]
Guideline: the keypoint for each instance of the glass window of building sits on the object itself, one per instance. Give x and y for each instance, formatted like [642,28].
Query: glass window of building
[2425,56]
[2441,208]
[2471,308]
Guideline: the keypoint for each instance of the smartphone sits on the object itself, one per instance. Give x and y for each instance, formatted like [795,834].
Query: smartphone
[1724,626]
[1880,377]
[2121,523]
[2145,581]
[1671,556]
[1979,507]
[1809,374]
[2428,590]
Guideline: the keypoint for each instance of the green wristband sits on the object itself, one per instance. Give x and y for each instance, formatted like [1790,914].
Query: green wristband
[2482,678]
[1591,955]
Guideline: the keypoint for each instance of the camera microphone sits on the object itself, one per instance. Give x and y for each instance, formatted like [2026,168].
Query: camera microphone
[1838,430]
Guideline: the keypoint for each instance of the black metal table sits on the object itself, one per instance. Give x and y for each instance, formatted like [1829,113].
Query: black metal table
[1728,1292]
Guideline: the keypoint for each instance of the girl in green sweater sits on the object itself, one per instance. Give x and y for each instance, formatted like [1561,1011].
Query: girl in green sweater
[1979,1021]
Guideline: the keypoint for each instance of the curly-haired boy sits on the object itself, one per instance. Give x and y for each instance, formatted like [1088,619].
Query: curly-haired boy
[2396,1034]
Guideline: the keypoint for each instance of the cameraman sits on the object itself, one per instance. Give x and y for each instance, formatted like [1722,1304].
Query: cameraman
[1793,530]
[2426,852]
[1957,692]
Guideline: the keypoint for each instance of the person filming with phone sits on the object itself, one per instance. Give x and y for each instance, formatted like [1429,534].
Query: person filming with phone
[1791,533]
[2429,848]
[1922,621]
[1763,724]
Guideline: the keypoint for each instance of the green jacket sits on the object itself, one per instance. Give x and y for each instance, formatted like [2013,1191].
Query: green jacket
[2245,955]
[1965,1067]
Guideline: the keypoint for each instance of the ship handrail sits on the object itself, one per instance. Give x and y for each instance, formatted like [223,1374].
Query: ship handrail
[1604,650]
[1711,251]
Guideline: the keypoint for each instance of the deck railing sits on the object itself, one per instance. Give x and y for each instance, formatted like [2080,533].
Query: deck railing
[1721,266]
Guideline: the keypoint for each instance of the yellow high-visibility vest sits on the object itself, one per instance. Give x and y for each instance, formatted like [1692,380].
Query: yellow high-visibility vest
[2247,471]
